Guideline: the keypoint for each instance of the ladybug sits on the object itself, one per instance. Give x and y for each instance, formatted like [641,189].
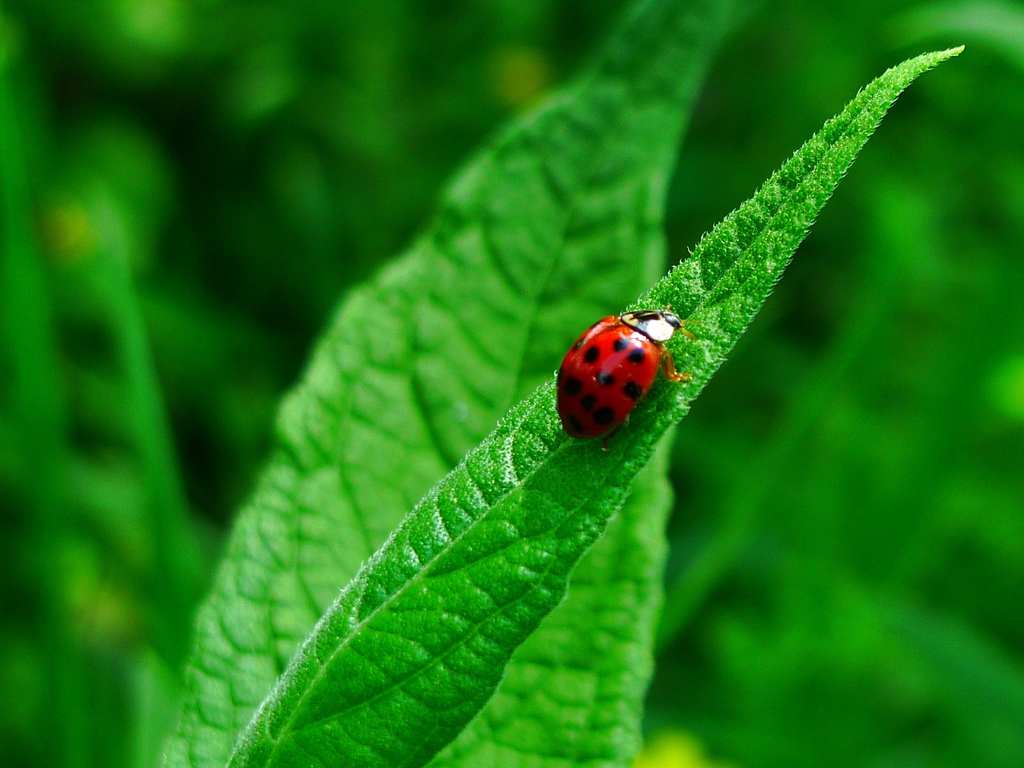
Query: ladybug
[610,369]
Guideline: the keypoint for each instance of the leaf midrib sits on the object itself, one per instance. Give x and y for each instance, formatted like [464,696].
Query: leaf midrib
[421,573]
[455,646]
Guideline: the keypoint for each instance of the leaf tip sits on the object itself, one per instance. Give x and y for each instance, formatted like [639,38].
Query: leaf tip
[926,61]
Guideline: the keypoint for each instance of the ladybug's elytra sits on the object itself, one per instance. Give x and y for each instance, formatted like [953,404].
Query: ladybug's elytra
[611,367]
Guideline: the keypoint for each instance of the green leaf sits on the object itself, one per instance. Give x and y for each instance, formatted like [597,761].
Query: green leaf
[573,693]
[419,640]
[555,223]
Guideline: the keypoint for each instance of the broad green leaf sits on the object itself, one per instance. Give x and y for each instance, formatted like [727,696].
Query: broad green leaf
[419,640]
[554,224]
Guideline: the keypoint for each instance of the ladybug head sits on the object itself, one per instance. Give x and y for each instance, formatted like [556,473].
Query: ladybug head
[655,324]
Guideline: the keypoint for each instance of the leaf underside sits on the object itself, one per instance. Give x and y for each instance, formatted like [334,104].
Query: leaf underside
[420,638]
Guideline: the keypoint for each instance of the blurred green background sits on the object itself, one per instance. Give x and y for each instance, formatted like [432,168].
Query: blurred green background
[189,186]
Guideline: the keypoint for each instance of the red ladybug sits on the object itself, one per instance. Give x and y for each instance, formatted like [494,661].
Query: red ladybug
[611,367]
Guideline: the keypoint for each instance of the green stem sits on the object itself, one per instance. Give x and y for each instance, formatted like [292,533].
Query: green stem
[176,564]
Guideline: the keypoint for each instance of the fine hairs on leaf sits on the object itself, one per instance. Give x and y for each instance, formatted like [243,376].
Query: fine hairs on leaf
[419,639]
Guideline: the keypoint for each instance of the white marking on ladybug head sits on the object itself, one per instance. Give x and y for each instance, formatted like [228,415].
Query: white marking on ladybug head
[653,323]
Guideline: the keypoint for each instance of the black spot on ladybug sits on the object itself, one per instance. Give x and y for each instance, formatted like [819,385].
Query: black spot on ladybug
[592,354]
[636,356]
[620,344]
[587,402]
[575,424]
[572,387]
[632,390]
[605,378]
[604,415]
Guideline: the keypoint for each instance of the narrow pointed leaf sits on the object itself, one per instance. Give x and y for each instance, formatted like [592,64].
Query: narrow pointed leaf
[419,640]
[555,222]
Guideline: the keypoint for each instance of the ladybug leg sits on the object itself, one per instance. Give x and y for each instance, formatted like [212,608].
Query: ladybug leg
[668,367]
[608,436]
